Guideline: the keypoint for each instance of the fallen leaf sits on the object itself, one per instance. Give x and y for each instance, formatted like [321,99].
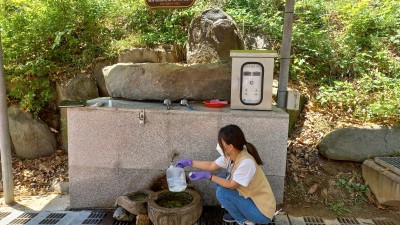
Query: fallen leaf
[313,188]
[324,192]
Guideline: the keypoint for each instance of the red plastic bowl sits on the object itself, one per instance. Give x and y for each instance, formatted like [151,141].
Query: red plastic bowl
[215,104]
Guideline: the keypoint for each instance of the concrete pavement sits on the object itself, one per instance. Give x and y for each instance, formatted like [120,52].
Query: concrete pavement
[89,217]
[54,210]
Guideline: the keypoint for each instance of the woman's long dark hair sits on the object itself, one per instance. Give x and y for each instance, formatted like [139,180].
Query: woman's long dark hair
[232,134]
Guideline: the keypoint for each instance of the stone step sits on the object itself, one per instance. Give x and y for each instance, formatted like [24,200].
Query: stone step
[383,179]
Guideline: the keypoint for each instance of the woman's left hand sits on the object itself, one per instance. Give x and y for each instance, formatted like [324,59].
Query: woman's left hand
[184,163]
[195,176]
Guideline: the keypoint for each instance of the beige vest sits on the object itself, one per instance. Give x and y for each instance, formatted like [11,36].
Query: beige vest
[259,189]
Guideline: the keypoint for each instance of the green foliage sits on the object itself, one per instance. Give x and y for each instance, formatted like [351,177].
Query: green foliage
[26,68]
[373,97]
[31,84]
[259,17]
[368,37]
[337,207]
[357,190]
[312,50]
[361,76]
[75,27]
[351,48]
[353,186]
[42,39]
[345,38]
[158,26]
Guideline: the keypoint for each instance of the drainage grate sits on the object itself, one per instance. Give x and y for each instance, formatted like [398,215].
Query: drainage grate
[52,219]
[392,163]
[23,218]
[122,223]
[310,220]
[348,221]
[94,218]
[4,215]
[212,215]
[383,221]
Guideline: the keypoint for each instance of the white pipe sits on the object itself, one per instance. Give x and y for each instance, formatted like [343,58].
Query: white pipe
[285,54]
[5,142]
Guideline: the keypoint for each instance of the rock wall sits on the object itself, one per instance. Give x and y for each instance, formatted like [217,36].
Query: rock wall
[211,37]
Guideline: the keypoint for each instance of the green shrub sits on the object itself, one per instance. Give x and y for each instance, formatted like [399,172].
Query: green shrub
[342,45]
[25,65]
[350,49]
[258,17]
[373,97]
[345,39]
[45,39]
[368,35]
[312,52]
[158,26]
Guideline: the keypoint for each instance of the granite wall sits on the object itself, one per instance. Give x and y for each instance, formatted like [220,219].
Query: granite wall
[111,153]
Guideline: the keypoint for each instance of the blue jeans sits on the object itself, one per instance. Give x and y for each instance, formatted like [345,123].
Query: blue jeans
[240,208]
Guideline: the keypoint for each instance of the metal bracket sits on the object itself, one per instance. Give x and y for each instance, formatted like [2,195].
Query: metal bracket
[141,117]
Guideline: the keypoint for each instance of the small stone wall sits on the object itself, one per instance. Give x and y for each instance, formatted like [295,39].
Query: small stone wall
[111,153]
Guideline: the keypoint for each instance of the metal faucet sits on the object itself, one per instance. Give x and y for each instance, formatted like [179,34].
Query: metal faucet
[174,154]
[184,102]
[167,102]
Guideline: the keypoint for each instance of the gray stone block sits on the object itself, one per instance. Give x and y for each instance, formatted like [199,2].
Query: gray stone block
[385,184]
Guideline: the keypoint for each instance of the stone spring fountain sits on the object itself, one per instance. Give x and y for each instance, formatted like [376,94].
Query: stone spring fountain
[124,146]
[119,146]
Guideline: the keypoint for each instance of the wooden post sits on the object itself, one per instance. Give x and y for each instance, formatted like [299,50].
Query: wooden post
[5,142]
[285,54]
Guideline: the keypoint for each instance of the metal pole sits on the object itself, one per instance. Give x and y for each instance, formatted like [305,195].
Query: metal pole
[285,54]
[5,142]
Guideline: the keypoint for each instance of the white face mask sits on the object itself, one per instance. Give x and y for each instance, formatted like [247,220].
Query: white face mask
[219,149]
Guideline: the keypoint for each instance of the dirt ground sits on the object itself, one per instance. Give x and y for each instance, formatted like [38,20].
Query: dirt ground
[321,194]
[317,186]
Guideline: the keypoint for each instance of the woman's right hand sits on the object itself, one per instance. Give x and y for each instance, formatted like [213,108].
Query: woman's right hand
[182,163]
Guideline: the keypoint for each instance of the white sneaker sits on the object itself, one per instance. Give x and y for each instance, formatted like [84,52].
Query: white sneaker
[248,222]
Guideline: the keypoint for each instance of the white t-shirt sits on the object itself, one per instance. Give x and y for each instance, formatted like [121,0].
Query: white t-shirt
[244,172]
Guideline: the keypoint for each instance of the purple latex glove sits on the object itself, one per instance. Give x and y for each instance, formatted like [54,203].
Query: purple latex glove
[195,176]
[182,163]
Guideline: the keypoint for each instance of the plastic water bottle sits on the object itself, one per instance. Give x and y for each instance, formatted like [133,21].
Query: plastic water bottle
[176,179]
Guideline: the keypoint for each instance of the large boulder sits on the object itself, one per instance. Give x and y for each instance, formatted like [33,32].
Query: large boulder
[30,136]
[211,37]
[99,77]
[257,41]
[162,54]
[80,87]
[360,143]
[158,81]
